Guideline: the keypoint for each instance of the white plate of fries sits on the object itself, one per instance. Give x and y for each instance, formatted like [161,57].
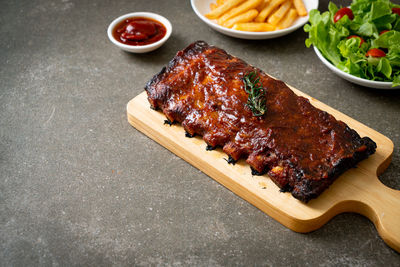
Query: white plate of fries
[254,19]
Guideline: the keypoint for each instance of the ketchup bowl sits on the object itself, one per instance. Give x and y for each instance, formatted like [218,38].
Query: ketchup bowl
[139,32]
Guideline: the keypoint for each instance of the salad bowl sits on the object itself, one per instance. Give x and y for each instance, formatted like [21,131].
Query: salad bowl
[360,42]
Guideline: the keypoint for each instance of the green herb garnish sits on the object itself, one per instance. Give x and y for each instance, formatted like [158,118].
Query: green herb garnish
[256,100]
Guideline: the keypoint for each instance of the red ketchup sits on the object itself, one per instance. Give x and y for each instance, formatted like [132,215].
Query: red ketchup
[139,31]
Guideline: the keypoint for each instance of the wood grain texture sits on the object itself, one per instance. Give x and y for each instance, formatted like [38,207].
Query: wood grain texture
[357,190]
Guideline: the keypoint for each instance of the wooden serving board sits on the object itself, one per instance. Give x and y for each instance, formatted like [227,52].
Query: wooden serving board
[357,190]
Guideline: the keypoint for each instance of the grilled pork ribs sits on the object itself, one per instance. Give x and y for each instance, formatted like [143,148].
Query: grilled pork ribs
[301,148]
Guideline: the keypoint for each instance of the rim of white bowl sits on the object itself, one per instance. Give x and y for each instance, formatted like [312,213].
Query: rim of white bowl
[149,15]
[245,33]
[381,85]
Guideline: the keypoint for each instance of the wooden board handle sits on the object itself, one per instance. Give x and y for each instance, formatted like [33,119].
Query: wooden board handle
[381,205]
[386,215]
[387,219]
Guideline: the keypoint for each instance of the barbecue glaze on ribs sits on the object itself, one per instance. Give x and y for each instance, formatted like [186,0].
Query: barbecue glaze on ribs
[301,148]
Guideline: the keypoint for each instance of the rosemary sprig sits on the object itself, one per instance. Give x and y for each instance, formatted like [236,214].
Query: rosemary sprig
[256,100]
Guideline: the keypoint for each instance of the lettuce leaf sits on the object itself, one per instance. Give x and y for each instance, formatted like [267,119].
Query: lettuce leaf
[396,80]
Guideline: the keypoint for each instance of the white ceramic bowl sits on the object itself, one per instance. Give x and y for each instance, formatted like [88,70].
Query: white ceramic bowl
[140,48]
[202,7]
[352,78]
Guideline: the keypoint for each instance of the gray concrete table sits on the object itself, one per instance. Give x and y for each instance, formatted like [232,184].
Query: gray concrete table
[80,186]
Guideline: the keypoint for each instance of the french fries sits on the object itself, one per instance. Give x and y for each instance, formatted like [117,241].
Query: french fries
[245,17]
[262,5]
[256,15]
[301,10]
[250,4]
[279,13]
[229,4]
[288,20]
[254,27]
[268,10]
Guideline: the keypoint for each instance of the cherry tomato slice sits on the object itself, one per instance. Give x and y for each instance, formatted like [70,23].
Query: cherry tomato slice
[342,12]
[384,31]
[396,10]
[375,52]
[356,36]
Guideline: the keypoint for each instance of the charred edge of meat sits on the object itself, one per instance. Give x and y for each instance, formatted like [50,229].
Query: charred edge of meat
[155,79]
[230,160]
[188,135]
[286,188]
[170,123]
[307,189]
[257,173]
[154,108]
[210,147]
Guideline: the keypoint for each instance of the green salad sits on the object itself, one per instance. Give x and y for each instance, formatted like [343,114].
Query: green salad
[362,40]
